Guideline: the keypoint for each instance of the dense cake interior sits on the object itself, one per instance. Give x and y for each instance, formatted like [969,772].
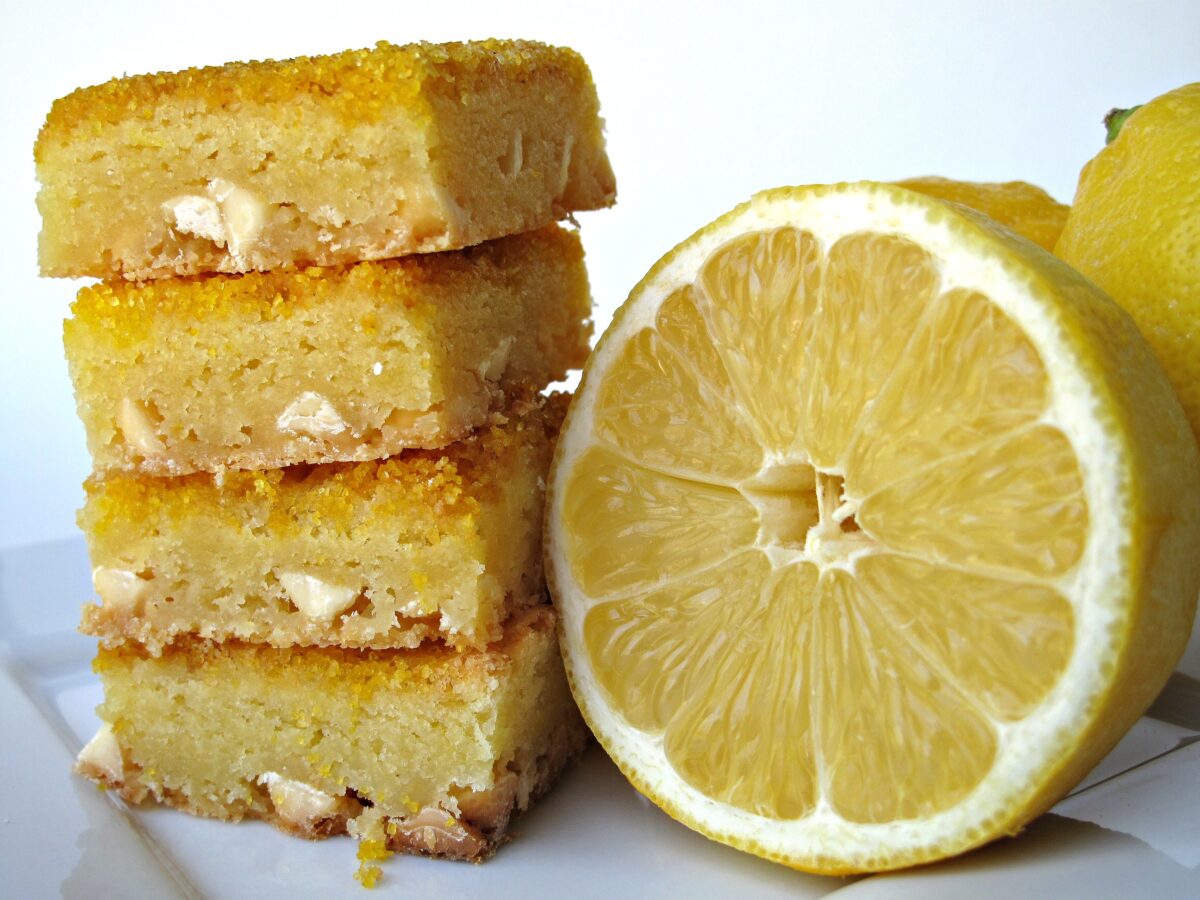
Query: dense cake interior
[442,746]
[425,545]
[273,369]
[361,155]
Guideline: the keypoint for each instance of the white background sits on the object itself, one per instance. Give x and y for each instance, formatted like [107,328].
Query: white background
[705,104]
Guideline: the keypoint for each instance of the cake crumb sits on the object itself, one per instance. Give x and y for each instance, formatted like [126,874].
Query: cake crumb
[368,875]
[370,829]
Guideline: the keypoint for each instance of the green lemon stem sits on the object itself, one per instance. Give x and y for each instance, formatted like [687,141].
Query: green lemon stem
[1115,119]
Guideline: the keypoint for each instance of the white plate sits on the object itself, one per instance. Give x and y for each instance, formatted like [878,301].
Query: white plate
[593,836]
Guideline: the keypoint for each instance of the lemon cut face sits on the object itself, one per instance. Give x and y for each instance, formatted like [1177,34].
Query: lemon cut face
[847,530]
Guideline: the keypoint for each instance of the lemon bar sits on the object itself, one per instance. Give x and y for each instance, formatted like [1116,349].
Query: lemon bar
[352,363]
[428,544]
[324,160]
[429,750]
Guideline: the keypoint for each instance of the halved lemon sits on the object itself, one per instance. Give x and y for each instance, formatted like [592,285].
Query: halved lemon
[872,528]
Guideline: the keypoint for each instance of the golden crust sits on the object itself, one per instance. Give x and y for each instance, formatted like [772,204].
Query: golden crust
[359,84]
[450,482]
[124,311]
[432,666]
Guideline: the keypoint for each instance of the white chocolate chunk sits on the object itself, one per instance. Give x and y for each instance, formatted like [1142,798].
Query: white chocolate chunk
[410,424]
[101,756]
[312,415]
[432,212]
[242,213]
[315,598]
[564,171]
[328,216]
[229,216]
[138,428]
[119,588]
[412,609]
[516,155]
[196,215]
[490,808]
[497,361]
[436,831]
[297,802]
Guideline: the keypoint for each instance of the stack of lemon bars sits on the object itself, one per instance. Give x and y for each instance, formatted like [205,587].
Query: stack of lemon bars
[332,293]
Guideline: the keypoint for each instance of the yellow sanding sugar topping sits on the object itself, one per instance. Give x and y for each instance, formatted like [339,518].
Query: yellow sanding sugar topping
[359,85]
[127,310]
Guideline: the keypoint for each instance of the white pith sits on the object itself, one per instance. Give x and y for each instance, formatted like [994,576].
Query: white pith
[1092,586]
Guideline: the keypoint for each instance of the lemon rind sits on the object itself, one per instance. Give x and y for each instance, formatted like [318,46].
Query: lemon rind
[969,256]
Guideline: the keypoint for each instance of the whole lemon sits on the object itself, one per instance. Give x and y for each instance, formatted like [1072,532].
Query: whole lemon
[1023,207]
[1134,229]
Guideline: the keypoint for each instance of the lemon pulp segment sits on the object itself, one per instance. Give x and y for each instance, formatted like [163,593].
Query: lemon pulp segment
[826,523]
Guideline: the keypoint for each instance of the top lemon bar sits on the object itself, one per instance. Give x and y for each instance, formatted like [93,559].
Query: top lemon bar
[361,155]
